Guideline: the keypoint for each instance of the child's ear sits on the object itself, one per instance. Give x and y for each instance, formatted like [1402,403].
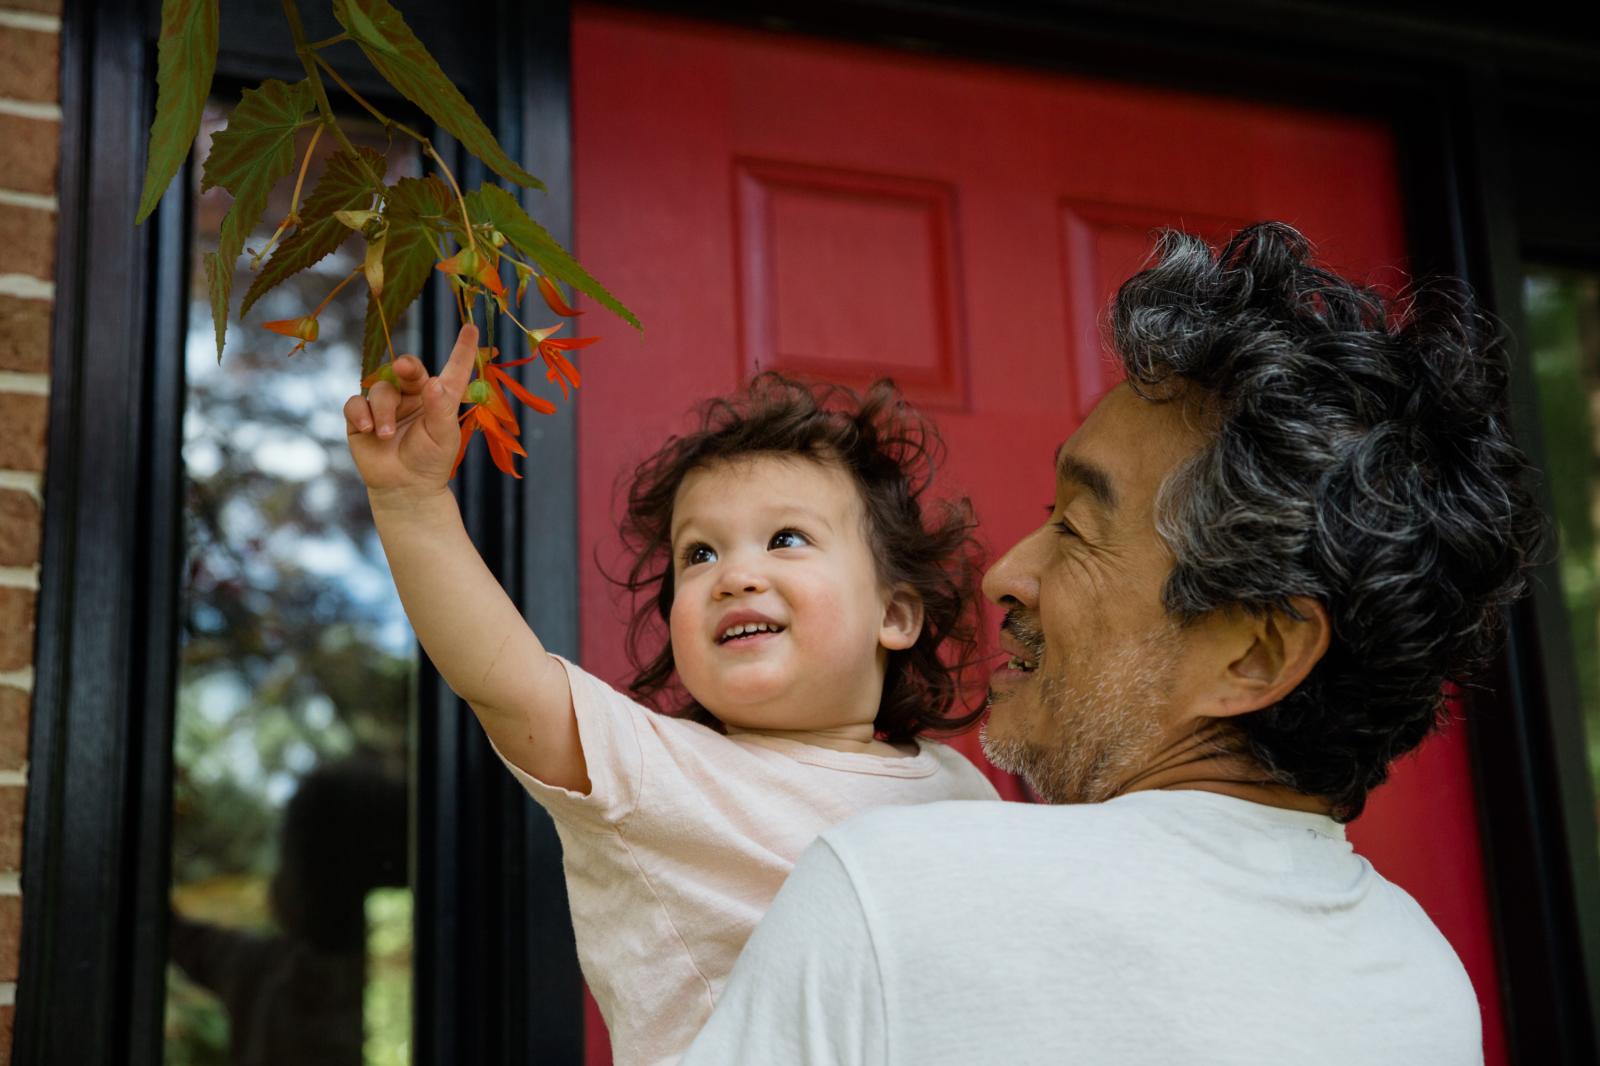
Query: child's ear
[902,619]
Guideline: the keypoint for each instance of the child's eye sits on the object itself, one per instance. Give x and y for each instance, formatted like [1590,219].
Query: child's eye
[697,553]
[787,538]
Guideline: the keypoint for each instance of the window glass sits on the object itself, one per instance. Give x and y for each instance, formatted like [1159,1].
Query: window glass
[292,930]
[1563,314]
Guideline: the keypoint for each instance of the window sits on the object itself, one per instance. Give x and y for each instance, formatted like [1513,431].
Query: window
[291,931]
[1563,346]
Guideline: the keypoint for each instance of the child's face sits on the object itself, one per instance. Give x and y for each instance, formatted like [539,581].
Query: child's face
[780,542]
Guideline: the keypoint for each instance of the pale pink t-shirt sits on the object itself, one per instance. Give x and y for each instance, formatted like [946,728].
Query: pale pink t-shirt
[683,840]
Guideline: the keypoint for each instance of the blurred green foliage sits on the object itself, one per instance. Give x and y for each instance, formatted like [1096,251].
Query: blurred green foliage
[1563,317]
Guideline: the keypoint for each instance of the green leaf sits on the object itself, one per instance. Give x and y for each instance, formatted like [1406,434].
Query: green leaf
[248,158]
[219,283]
[186,59]
[390,45]
[344,185]
[414,211]
[494,205]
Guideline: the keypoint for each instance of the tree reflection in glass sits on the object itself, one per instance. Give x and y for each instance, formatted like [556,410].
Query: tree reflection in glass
[1563,315]
[292,921]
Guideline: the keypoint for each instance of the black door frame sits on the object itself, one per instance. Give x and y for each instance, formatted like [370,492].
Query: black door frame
[1457,96]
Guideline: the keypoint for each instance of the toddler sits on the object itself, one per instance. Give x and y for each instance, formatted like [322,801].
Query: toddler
[784,547]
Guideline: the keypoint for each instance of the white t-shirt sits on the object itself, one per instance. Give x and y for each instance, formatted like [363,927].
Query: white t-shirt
[684,838]
[1156,929]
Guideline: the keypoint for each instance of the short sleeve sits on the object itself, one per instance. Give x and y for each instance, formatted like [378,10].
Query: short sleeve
[807,989]
[608,729]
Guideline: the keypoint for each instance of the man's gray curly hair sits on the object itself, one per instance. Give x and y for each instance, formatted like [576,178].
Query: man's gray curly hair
[1359,455]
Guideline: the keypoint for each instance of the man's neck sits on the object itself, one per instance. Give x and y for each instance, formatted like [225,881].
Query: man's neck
[1212,759]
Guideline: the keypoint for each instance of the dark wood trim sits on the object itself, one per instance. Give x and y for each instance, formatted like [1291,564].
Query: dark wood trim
[536,116]
[499,966]
[81,842]
[1536,804]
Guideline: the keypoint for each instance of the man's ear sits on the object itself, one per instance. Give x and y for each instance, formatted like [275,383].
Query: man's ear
[902,619]
[1278,653]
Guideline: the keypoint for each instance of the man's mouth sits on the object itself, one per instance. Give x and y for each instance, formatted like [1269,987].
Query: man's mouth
[1021,637]
[747,630]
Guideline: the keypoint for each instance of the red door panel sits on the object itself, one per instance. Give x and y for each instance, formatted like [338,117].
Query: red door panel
[772,201]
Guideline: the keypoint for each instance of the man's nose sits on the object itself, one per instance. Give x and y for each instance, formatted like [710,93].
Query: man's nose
[1014,578]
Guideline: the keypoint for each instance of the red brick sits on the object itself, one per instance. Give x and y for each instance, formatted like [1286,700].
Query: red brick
[29,62]
[28,234]
[25,334]
[19,529]
[10,935]
[31,153]
[17,608]
[23,417]
[13,727]
[6,1020]
[11,809]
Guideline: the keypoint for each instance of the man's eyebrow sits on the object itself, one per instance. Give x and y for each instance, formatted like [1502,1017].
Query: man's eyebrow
[1092,477]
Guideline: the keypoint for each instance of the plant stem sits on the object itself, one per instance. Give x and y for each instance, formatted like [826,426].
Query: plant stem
[329,41]
[326,300]
[291,13]
[294,201]
[427,145]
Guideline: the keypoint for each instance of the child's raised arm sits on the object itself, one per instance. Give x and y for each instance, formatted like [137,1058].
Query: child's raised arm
[467,624]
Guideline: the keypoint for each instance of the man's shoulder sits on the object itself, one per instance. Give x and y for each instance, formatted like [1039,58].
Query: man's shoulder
[961,831]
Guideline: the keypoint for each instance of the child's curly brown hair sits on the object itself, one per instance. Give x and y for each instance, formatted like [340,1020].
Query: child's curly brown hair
[891,453]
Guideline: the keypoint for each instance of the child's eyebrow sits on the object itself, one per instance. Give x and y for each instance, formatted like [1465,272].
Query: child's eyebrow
[786,510]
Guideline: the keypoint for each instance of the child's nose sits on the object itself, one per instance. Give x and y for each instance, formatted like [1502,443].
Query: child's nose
[739,578]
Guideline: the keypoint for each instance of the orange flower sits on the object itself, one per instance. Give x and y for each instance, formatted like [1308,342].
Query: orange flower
[501,437]
[553,299]
[561,371]
[470,263]
[304,329]
[495,374]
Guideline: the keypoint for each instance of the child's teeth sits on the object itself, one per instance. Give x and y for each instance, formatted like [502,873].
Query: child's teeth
[751,627]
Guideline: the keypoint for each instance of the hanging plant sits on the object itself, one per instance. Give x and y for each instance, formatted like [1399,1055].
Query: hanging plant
[412,227]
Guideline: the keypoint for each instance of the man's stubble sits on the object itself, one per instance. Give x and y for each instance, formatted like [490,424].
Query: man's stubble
[1100,731]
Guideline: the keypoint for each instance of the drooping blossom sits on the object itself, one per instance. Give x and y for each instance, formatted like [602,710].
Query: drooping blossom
[304,329]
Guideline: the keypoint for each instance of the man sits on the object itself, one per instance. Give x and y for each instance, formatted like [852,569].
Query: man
[1269,549]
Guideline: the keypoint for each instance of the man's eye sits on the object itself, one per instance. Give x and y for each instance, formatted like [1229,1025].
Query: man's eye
[697,553]
[787,538]
[1060,525]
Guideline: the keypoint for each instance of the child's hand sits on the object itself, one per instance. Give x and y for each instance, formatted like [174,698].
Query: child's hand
[405,439]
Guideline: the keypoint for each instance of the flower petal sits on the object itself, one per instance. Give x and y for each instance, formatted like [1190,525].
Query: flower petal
[538,403]
[553,298]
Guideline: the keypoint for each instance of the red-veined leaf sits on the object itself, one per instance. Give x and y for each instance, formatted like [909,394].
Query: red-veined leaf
[186,59]
[248,159]
[390,46]
[343,186]
[494,205]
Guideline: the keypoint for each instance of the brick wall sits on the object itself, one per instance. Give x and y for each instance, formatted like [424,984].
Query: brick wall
[30,132]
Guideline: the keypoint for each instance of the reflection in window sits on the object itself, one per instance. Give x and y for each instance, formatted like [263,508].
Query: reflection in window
[1563,312]
[291,904]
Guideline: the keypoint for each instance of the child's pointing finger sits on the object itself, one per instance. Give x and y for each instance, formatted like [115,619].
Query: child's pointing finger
[458,370]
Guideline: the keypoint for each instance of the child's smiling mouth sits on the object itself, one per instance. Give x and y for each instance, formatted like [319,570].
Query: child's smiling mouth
[742,626]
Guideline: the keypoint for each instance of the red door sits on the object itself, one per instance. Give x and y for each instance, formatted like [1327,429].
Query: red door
[772,201]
